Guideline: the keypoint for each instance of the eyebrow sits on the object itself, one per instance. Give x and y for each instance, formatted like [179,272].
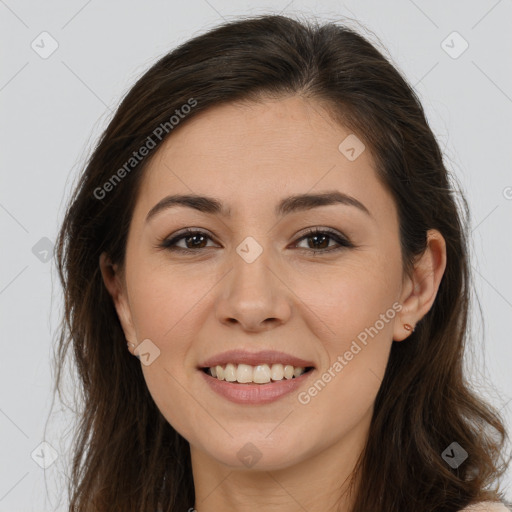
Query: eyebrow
[288,205]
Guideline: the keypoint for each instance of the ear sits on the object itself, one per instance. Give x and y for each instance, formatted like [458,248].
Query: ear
[115,285]
[420,289]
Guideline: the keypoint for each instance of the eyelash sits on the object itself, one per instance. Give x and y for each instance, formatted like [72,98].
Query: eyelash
[342,241]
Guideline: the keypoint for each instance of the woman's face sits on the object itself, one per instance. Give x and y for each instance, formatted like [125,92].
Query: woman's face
[252,282]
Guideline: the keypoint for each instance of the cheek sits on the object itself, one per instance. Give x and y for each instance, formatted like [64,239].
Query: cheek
[161,296]
[165,308]
[351,294]
[169,306]
[355,307]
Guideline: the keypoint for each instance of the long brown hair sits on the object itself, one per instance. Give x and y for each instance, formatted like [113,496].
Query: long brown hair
[126,456]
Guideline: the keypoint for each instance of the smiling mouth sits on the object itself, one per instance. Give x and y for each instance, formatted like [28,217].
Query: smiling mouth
[259,374]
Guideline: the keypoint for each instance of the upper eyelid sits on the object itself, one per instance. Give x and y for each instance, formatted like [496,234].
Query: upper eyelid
[202,231]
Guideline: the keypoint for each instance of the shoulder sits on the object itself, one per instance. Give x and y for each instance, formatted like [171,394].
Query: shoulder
[487,506]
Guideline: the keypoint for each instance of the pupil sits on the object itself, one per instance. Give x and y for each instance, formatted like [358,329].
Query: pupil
[315,237]
[192,237]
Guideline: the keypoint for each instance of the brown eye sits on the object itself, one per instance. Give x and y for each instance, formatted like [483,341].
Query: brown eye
[320,240]
[193,240]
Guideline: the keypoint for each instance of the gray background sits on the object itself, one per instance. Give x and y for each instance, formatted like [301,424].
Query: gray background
[54,108]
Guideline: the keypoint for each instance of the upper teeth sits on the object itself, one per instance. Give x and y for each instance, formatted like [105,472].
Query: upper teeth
[260,374]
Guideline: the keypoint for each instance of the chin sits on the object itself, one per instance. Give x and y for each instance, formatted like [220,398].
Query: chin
[257,453]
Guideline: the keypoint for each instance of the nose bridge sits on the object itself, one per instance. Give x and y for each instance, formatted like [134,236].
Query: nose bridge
[252,291]
[252,279]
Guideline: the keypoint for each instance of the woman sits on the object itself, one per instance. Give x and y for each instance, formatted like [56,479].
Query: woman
[268,226]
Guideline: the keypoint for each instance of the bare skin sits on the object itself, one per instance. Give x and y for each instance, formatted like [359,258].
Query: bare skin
[193,306]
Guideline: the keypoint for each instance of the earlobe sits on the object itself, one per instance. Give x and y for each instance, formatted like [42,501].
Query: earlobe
[113,282]
[422,287]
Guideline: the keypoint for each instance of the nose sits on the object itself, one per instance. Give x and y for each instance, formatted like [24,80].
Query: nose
[254,295]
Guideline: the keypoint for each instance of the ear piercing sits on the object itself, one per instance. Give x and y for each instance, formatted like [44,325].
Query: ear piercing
[409,327]
[133,345]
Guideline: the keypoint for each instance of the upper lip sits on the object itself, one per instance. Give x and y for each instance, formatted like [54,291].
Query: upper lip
[254,358]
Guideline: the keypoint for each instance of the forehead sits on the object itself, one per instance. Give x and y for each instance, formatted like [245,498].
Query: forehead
[259,152]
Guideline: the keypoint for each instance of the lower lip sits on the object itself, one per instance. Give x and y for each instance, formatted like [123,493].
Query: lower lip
[255,393]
